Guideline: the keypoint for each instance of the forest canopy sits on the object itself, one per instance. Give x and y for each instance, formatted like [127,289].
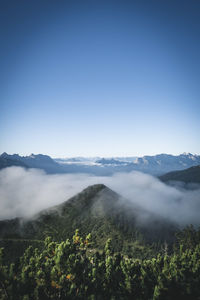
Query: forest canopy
[74,269]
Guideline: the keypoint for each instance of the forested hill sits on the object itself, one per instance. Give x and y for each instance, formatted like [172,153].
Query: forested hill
[130,253]
[100,211]
[190,175]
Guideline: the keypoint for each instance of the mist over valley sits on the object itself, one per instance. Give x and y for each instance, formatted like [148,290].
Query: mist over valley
[26,191]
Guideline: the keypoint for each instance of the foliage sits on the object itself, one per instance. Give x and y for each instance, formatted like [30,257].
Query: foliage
[97,210]
[73,269]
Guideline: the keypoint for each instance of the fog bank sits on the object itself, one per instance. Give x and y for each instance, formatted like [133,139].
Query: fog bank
[24,192]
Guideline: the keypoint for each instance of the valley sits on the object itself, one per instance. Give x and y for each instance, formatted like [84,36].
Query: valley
[96,242]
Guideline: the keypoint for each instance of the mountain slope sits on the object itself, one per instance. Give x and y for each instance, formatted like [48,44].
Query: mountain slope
[190,175]
[6,162]
[99,211]
[40,161]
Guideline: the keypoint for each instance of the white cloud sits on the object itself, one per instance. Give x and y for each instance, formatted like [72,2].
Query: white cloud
[24,192]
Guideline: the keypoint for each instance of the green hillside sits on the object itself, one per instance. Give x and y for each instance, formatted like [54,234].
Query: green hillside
[101,212]
[191,175]
[130,253]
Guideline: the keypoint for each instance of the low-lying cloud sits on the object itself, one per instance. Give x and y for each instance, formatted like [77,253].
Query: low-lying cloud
[25,192]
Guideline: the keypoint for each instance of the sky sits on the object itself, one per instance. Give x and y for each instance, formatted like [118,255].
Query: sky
[99,78]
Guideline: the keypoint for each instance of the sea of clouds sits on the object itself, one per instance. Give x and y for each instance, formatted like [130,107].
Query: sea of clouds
[25,192]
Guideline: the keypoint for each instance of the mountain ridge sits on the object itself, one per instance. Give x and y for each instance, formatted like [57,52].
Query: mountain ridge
[189,175]
[97,210]
[154,165]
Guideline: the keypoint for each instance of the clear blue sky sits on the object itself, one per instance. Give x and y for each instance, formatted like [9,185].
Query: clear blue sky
[107,78]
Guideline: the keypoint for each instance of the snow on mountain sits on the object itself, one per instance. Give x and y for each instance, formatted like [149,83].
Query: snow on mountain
[155,165]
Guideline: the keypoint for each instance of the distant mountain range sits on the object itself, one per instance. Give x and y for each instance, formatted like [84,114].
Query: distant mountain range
[96,210]
[33,161]
[160,163]
[7,162]
[155,165]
